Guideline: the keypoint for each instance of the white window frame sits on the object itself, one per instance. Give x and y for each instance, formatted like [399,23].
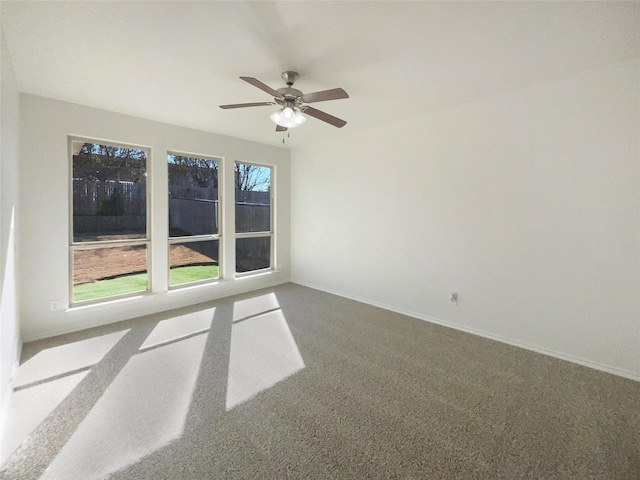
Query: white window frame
[199,238]
[77,246]
[271,233]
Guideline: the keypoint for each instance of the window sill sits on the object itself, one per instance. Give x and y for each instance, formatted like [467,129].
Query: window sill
[255,273]
[116,302]
[184,287]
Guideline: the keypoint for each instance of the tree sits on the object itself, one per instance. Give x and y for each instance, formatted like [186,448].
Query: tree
[252,178]
[203,172]
[108,162]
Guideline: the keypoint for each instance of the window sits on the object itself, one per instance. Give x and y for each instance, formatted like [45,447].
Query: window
[194,219]
[254,219]
[109,245]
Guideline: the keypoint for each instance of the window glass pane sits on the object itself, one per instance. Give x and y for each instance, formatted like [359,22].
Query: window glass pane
[104,272]
[253,254]
[193,261]
[253,198]
[109,192]
[193,196]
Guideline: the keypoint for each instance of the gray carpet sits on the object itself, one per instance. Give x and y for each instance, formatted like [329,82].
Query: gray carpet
[292,382]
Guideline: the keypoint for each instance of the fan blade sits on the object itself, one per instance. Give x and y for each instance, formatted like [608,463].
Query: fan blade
[333,94]
[280,128]
[242,105]
[325,117]
[266,88]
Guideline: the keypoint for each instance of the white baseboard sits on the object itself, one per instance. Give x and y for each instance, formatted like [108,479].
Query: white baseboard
[516,343]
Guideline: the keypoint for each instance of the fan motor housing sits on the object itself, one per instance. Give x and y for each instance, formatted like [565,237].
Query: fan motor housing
[289,95]
[288,92]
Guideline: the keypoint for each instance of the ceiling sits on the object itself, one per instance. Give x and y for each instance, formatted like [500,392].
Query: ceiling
[177,61]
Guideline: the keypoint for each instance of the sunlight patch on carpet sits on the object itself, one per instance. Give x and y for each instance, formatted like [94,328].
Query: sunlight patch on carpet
[143,409]
[30,406]
[66,358]
[254,306]
[179,327]
[263,351]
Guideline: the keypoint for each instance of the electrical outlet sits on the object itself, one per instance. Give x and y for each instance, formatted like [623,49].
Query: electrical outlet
[453,299]
[55,305]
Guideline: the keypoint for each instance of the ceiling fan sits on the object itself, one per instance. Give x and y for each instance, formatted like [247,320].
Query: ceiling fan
[294,103]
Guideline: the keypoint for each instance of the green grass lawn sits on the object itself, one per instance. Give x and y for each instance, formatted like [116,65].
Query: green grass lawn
[110,287]
[138,282]
[192,273]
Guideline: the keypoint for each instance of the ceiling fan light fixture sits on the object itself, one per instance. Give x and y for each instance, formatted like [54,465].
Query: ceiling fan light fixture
[288,117]
[287,112]
[293,103]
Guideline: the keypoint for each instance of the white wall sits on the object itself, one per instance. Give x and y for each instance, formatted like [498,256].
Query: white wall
[527,204]
[9,326]
[44,202]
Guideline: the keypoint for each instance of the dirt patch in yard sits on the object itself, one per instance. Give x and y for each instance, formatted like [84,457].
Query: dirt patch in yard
[101,263]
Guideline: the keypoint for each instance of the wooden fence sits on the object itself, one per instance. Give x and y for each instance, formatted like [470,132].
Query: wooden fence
[200,217]
[193,217]
[119,206]
[95,197]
